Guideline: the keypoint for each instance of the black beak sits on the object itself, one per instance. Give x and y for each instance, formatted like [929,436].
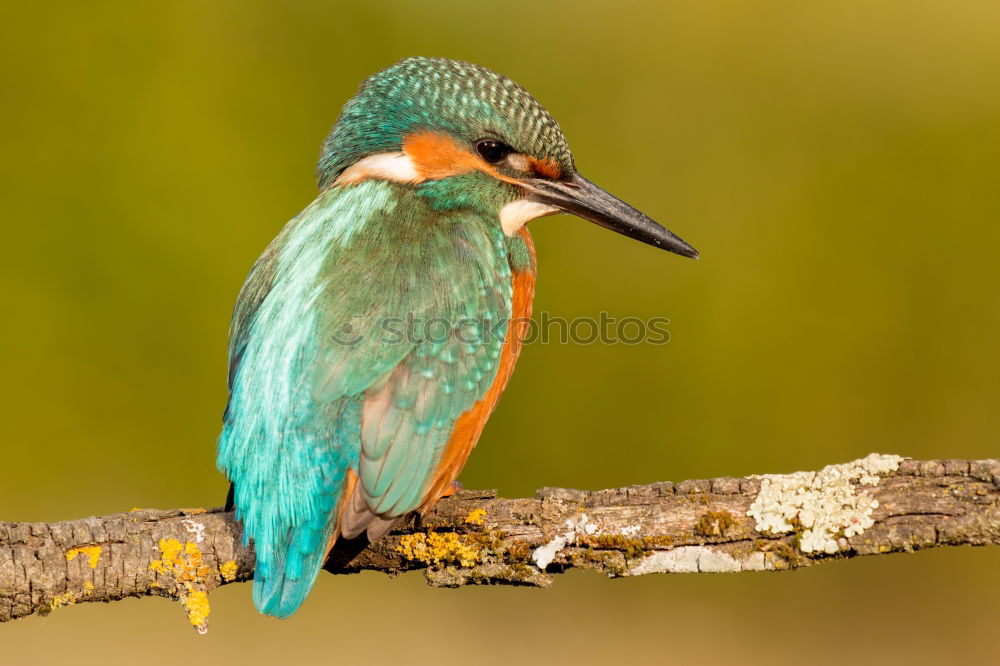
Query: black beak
[582,198]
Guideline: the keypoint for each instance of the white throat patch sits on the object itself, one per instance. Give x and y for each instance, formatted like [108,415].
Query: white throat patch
[514,215]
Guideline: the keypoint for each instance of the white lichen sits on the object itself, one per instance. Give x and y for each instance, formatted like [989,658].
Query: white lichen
[543,555]
[826,503]
[195,528]
[696,559]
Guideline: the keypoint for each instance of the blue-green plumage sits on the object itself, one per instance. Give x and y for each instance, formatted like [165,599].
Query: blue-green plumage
[321,322]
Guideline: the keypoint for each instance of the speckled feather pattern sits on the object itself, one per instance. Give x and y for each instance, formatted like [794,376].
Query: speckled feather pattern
[469,101]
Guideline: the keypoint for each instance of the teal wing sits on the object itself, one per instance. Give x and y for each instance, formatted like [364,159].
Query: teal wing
[366,329]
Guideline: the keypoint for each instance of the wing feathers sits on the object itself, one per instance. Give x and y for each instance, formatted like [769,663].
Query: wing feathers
[379,527]
[307,405]
[356,515]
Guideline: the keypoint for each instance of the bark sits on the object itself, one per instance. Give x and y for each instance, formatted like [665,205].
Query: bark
[875,506]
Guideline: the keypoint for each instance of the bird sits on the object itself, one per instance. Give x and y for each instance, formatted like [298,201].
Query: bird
[347,410]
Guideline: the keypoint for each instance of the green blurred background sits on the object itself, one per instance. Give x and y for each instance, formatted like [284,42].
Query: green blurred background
[835,163]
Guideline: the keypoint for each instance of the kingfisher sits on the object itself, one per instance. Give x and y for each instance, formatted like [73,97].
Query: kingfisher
[375,334]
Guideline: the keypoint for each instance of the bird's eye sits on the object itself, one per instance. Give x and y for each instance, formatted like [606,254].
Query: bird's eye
[493,151]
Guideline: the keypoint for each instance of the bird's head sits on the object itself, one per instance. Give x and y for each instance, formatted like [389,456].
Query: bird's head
[464,136]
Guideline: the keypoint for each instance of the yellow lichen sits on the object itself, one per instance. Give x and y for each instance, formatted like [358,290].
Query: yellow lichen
[439,548]
[170,549]
[228,570]
[519,551]
[196,605]
[93,554]
[60,600]
[184,562]
[476,517]
[714,523]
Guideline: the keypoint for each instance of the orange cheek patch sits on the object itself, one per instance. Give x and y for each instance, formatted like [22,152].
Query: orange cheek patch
[436,156]
[547,167]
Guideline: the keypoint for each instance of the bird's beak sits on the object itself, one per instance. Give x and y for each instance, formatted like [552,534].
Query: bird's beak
[582,198]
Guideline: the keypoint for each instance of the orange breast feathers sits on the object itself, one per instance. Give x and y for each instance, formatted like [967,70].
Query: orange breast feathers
[470,425]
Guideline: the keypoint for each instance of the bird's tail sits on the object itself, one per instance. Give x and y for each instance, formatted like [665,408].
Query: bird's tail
[286,571]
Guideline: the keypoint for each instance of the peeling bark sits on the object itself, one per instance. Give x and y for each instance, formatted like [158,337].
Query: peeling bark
[475,537]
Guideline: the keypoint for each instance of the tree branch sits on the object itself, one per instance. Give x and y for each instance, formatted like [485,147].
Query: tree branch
[881,504]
